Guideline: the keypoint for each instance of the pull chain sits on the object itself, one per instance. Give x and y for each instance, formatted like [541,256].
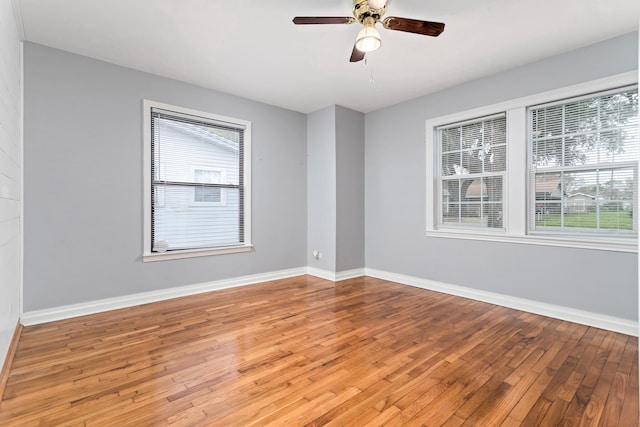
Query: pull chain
[366,64]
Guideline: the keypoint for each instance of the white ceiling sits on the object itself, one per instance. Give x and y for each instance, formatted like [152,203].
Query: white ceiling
[250,48]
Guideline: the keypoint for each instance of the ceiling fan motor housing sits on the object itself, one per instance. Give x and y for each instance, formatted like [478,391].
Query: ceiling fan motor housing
[361,11]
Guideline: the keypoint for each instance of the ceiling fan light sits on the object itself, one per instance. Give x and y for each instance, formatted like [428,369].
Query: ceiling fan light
[368,39]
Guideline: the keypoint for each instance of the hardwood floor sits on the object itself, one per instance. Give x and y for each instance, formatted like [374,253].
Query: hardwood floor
[305,351]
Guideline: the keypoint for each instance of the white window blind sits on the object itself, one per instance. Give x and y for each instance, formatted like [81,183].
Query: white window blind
[472,173]
[197,182]
[584,165]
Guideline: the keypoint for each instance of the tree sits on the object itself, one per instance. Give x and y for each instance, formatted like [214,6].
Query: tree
[569,134]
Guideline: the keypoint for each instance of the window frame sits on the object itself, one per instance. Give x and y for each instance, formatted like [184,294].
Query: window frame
[147,254]
[516,185]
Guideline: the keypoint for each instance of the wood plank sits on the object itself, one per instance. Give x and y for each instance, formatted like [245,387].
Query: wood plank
[305,351]
[629,414]
[593,365]
[8,361]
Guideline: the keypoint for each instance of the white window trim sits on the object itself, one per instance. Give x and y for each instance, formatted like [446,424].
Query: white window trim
[223,191]
[147,254]
[515,198]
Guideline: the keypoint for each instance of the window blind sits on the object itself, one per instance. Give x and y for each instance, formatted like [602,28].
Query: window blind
[197,182]
[472,172]
[584,164]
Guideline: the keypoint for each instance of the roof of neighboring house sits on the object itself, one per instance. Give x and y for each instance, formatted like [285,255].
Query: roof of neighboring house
[203,133]
[581,195]
[473,191]
[547,183]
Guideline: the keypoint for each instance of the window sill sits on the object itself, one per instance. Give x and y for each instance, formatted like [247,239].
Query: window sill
[612,244]
[192,253]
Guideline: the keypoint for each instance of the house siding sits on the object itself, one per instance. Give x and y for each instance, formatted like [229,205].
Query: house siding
[179,219]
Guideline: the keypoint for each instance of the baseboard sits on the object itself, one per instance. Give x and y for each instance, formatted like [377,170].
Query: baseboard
[335,277]
[601,321]
[559,312]
[8,360]
[66,312]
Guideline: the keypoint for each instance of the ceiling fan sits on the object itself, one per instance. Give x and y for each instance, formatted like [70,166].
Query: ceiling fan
[368,13]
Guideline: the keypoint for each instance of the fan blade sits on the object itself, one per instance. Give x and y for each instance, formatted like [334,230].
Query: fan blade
[356,55]
[305,20]
[416,26]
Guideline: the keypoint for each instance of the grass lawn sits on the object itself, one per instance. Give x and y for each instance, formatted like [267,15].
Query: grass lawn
[614,220]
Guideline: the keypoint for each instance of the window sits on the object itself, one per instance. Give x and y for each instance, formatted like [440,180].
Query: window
[473,166]
[558,168]
[584,164]
[197,175]
[209,195]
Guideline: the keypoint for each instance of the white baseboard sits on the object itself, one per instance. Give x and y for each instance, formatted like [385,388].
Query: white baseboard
[601,321]
[92,307]
[323,274]
[349,274]
[559,312]
[335,277]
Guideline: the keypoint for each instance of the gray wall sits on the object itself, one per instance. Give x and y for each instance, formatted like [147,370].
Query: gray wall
[596,281]
[349,189]
[335,221]
[321,188]
[83,182]
[10,176]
